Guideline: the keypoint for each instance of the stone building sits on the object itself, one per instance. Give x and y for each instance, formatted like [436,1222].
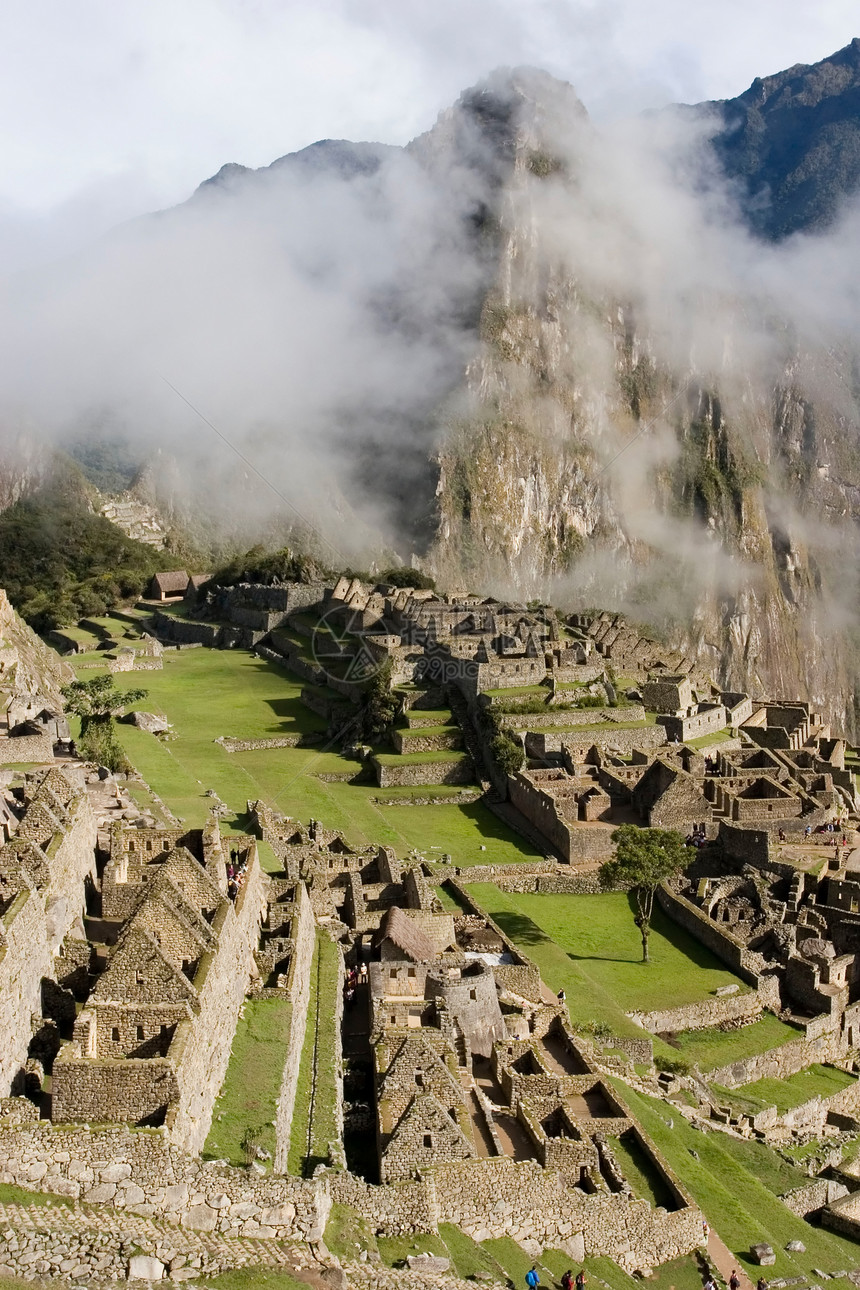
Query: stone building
[151,1043]
[45,870]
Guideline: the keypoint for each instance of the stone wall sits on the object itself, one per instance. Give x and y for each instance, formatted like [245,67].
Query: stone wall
[695,1016]
[298,989]
[140,1170]
[203,1064]
[626,739]
[500,1197]
[709,933]
[556,716]
[781,1062]
[814,1196]
[34,926]
[439,771]
[21,748]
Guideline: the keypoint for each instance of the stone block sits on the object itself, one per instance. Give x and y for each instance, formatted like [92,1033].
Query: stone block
[201,1217]
[278,1215]
[427,1263]
[796,1247]
[144,1267]
[763,1254]
[115,1173]
[102,1193]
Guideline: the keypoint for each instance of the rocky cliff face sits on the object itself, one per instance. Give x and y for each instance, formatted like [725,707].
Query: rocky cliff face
[713,493]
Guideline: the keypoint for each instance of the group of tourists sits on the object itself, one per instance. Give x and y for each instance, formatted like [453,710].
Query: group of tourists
[568,1281]
[236,872]
[354,977]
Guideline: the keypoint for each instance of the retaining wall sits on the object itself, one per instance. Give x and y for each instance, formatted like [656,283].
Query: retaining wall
[298,988]
[143,1172]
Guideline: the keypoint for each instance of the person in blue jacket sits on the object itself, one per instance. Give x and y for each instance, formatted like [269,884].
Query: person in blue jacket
[532,1278]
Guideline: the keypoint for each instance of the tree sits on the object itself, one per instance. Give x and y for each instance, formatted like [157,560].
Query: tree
[97,702]
[643,859]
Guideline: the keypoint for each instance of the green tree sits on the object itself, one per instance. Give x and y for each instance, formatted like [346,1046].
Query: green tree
[97,703]
[643,859]
[380,707]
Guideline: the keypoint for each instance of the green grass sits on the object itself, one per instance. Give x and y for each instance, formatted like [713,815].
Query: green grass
[394,1249]
[640,1171]
[248,1097]
[424,732]
[207,693]
[730,1189]
[419,758]
[347,1232]
[12,1195]
[315,1126]
[711,1048]
[590,947]
[706,741]
[784,1094]
[254,1279]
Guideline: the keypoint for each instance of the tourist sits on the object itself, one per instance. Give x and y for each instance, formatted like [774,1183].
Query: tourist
[580,1279]
[761,1284]
[734,1280]
[532,1278]
[710,1283]
[561,996]
[782,835]
[706,1231]
[567,1280]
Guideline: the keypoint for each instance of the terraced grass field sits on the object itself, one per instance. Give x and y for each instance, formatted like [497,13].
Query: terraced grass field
[590,947]
[207,693]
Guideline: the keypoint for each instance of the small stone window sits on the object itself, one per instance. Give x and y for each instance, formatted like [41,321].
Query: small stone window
[410,972]
[392,972]
[131,846]
[149,844]
[473,994]
[114,1034]
[138,976]
[428,1140]
[140,1033]
[419,1079]
[393,1020]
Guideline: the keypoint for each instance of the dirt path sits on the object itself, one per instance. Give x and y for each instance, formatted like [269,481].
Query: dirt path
[724,1261]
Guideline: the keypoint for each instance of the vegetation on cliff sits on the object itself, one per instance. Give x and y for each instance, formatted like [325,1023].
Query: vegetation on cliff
[61,562]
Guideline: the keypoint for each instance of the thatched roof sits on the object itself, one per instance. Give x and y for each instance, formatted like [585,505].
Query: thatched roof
[407,936]
[171,584]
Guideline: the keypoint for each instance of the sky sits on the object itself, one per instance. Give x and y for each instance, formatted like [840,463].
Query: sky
[108,110]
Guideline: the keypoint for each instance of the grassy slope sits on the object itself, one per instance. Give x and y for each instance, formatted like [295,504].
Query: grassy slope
[316,1062]
[733,1193]
[249,1094]
[709,1049]
[589,946]
[817,1081]
[207,693]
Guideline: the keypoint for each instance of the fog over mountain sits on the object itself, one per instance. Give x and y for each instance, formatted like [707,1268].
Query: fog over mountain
[611,362]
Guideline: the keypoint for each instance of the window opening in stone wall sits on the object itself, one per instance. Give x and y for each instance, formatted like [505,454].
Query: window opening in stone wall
[114,1034]
[392,972]
[410,972]
[428,1140]
[473,994]
[138,976]
[419,1079]
[140,1033]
